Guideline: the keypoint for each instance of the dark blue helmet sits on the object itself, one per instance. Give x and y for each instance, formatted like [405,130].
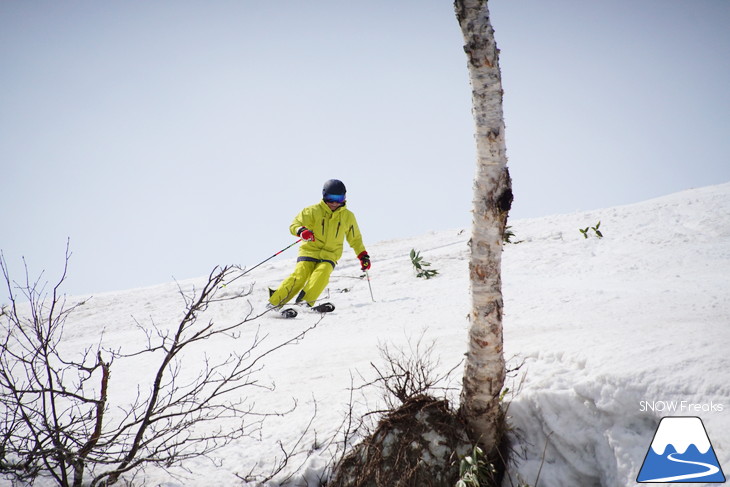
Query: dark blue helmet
[334,190]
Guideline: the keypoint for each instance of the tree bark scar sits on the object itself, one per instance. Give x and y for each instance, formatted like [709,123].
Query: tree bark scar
[504,201]
[480,271]
[481,343]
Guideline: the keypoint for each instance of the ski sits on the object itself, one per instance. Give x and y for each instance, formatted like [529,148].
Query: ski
[283,313]
[323,308]
[288,313]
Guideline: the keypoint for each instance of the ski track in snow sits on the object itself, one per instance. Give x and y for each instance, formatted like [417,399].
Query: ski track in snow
[600,325]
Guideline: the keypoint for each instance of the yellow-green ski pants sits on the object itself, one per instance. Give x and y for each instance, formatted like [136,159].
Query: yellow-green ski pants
[310,277]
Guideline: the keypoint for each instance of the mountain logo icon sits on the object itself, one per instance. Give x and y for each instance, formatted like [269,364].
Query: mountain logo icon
[681,452]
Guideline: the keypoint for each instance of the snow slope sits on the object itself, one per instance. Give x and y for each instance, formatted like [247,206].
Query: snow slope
[605,327]
[640,315]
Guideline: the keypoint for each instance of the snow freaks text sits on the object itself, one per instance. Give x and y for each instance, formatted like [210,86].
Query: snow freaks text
[683,407]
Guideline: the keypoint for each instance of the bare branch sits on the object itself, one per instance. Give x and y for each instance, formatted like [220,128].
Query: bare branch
[55,415]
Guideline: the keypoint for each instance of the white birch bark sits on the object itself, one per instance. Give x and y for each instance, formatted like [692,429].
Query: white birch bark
[484,369]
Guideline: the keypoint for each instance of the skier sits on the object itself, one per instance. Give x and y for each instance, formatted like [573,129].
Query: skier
[323,226]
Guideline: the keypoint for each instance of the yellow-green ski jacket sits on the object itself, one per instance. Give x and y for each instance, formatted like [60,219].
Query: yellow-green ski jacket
[330,229]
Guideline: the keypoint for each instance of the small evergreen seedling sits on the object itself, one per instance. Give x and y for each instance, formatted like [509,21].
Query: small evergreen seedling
[420,266]
[595,229]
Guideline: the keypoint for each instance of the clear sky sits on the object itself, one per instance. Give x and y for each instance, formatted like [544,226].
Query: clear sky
[164,138]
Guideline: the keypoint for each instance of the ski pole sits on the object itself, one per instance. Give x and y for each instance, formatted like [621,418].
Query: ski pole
[264,261]
[371,287]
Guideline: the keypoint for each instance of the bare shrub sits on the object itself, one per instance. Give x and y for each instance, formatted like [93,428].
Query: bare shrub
[418,439]
[56,419]
[408,372]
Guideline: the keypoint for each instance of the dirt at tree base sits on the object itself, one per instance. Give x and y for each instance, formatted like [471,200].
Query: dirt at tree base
[418,445]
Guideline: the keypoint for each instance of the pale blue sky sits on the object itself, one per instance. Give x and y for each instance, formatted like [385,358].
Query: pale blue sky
[167,137]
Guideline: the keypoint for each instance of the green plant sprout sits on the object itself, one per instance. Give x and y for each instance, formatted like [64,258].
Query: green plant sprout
[420,265]
[595,229]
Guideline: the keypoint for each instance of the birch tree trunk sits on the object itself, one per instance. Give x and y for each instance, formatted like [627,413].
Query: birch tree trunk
[484,369]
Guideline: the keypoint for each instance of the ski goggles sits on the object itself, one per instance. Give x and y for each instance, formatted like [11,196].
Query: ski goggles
[334,198]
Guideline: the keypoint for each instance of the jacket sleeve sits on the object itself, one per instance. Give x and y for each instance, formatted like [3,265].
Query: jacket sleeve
[299,222]
[354,237]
